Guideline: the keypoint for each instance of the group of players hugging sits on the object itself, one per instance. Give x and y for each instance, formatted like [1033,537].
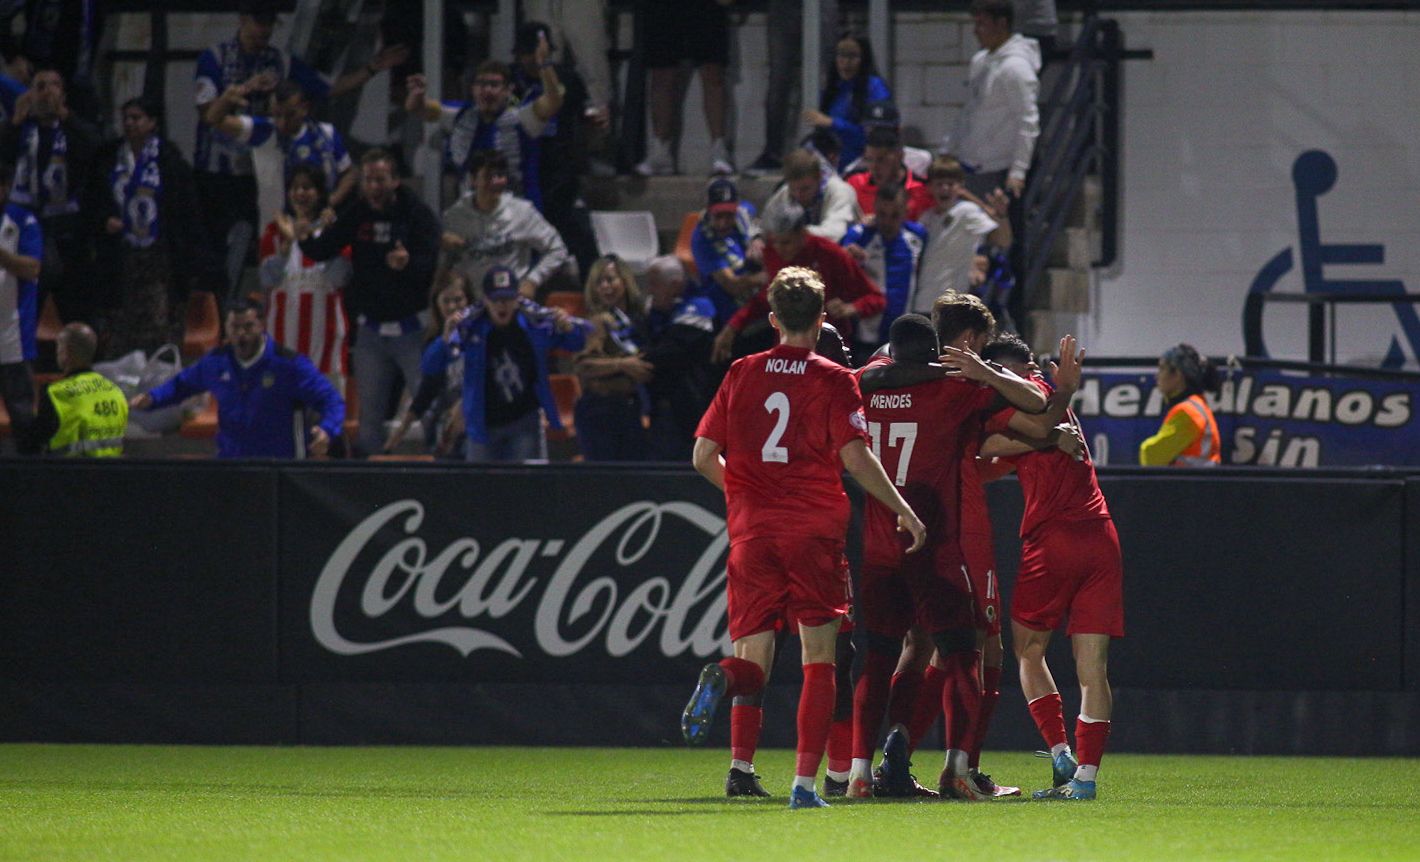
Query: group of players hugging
[951,405]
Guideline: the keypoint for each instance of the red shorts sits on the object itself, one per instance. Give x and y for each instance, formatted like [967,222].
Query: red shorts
[1074,567]
[770,579]
[789,624]
[932,593]
[980,556]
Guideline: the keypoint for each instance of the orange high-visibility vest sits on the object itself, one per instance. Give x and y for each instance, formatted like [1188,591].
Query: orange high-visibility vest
[1205,448]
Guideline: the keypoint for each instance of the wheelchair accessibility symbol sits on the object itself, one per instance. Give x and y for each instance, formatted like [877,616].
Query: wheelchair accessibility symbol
[1314,174]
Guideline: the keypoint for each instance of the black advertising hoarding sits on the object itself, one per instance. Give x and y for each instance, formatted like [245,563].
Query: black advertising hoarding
[517,575]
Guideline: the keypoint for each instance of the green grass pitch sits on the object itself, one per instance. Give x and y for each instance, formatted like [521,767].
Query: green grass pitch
[197,803]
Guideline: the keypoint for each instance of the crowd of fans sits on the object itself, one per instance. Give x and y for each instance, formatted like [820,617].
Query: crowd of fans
[446,320]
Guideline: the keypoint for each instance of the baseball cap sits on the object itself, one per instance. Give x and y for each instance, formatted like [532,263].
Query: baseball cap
[525,39]
[881,112]
[721,196]
[500,282]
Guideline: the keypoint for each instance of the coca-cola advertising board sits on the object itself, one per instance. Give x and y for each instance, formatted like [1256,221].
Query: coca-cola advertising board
[500,575]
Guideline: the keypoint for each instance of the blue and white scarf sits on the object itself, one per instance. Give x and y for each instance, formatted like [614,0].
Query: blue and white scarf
[43,188]
[137,185]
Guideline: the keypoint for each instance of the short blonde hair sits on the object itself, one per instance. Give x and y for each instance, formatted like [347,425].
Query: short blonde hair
[796,298]
[628,279]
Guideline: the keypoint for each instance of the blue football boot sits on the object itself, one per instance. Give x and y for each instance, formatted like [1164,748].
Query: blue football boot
[802,797]
[1062,766]
[1072,789]
[695,720]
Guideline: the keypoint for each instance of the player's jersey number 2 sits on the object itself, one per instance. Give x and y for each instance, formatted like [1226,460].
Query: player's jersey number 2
[778,404]
[900,435]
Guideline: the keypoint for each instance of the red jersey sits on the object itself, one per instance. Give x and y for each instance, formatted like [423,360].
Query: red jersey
[975,517]
[781,416]
[842,278]
[1055,486]
[919,433]
[919,196]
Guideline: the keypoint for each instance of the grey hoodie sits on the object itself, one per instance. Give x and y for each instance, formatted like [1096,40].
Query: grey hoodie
[998,125]
[511,235]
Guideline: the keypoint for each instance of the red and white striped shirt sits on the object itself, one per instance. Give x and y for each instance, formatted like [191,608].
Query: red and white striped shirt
[306,312]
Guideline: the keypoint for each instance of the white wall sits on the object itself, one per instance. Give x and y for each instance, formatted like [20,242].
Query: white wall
[1212,126]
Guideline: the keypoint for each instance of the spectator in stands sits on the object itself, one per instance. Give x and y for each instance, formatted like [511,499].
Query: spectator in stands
[492,227]
[62,35]
[16,72]
[438,406]
[956,226]
[226,184]
[492,120]
[1036,19]
[305,298]
[886,167]
[142,213]
[52,151]
[849,293]
[784,28]
[728,250]
[563,152]
[611,369]
[21,248]
[829,204]
[698,31]
[824,143]
[394,241]
[81,415]
[680,331]
[581,24]
[884,115]
[853,82]
[263,392]
[890,250]
[995,131]
[505,341]
[1189,434]
[289,131]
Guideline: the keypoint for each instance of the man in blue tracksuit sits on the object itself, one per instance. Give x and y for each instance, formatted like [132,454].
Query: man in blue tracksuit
[504,343]
[263,392]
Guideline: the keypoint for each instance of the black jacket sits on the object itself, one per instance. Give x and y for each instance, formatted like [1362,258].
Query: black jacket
[376,291]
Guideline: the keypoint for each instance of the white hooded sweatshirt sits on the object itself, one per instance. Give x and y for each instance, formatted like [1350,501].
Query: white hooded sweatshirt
[998,125]
[514,235]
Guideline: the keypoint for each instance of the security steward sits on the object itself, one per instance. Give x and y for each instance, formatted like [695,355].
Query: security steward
[82,414]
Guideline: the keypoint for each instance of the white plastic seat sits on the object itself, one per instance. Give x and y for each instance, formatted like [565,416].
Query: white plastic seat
[630,236]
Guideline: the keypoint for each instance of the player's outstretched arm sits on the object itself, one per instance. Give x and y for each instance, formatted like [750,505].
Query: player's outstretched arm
[866,468]
[1066,376]
[1065,437]
[895,375]
[1020,393]
[707,460]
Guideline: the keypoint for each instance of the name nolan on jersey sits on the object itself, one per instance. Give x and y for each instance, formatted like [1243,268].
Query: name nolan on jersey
[891,402]
[786,366]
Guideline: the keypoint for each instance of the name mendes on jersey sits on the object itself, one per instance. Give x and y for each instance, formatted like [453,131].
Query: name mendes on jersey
[409,585]
[891,402]
[777,365]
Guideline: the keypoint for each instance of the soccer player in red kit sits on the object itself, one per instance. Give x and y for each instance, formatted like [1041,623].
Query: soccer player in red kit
[920,432]
[787,422]
[1070,563]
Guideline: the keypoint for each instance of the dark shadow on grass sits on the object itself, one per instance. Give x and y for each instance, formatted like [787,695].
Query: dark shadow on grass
[291,790]
[661,812]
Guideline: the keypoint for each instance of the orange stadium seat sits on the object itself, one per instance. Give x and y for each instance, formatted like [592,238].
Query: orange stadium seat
[565,391]
[202,329]
[203,424]
[570,301]
[682,243]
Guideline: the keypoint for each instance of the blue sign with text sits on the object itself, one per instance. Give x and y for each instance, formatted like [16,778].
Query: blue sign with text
[1264,417]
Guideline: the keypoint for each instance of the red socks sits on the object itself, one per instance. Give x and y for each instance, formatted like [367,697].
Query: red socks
[990,693]
[745,722]
[870,697]
[840,743]
[1049,718]
[927,707]
[1090,739]
[815,716]
[902,697]
[742,676]
[961,698]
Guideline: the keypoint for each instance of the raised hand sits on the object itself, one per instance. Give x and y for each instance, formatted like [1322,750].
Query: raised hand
[398,257]
[1066,372]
